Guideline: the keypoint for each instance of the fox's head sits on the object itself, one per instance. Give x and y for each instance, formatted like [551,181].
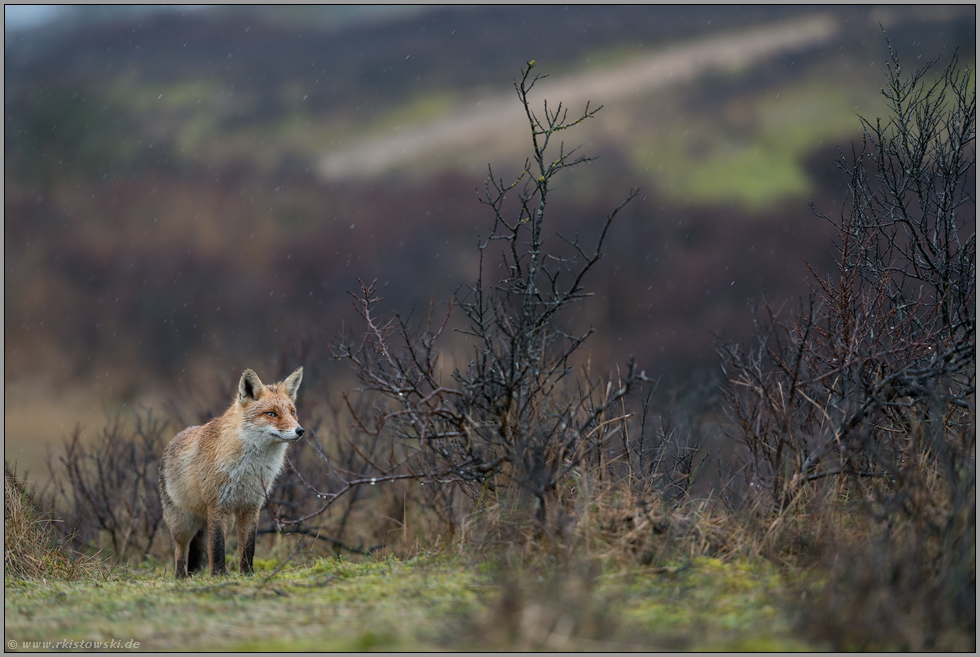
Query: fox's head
[270,410]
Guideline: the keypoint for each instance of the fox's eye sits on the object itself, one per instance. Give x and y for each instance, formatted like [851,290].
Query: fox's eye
[271,414]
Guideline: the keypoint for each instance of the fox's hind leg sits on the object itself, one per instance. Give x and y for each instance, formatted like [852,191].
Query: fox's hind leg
[197,553]
[180,559]
[185,528]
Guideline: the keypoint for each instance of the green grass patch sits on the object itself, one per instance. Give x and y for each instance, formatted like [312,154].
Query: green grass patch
[331,605]
[424,603]
[706,604]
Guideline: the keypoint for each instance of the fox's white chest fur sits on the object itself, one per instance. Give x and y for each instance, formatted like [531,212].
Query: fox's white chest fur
[252,474]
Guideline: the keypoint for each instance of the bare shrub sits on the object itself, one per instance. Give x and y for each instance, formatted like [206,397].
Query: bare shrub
[867,389]
[516,412]
[109,488]
[335,484]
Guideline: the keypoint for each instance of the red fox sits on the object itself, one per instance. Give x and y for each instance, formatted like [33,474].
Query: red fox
[214,474]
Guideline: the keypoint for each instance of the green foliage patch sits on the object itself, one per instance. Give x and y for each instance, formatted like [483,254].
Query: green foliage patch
[753,152]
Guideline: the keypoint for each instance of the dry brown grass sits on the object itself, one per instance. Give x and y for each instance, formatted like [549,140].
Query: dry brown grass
[31,547]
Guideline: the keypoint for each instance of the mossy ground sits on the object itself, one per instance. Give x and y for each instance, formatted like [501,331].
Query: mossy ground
[424,603]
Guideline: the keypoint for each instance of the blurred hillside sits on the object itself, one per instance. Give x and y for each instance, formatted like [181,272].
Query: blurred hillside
[188,193]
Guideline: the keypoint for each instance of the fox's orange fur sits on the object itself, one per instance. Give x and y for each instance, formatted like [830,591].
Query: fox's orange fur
[218,473]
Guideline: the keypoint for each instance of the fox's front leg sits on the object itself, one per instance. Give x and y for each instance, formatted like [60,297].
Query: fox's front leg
[216,541]
[248,522]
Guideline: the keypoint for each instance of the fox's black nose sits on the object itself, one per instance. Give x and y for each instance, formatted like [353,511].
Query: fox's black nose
[300,431]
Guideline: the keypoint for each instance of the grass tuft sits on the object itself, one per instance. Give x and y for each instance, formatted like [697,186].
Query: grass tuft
[31,548]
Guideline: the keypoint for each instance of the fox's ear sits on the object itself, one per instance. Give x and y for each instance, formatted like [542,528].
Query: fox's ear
[250,387]
[290,384]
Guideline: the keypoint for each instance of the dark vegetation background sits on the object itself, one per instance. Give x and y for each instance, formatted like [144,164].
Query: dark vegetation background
[165,224]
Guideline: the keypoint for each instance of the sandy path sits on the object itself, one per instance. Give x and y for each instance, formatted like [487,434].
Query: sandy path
[499,115]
